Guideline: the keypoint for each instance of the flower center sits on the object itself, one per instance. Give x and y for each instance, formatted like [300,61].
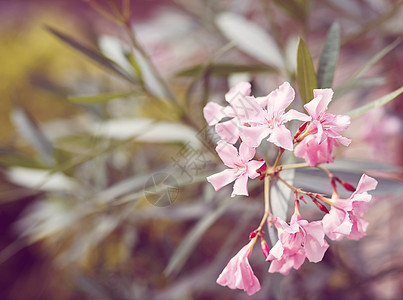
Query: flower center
[273,122]
[242,168]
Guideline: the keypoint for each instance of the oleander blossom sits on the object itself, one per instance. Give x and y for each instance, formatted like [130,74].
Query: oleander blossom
[324,124]
[298,240]
[238,109]
[313,152]
[323,132]
[269,122]
[241,167]
[344,220]
[238,273]
[246,121]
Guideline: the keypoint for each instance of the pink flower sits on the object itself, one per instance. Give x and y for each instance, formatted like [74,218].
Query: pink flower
[214,113]
[270,121]
[343,218]
[283,259]
[324,124]
[296,241]
[313,152]
[238,273]
[241,168]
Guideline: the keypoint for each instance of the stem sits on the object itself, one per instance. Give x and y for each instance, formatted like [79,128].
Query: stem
[267,211]
[280,153]
[267,194]
[330,174]
[293,188]
[267,178]
[294,166]
[310,194]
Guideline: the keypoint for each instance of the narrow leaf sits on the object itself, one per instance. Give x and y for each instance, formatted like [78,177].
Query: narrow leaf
[31,131]
[306,77]
[153,82]
[11,159]
[94,54]
[97,99]
[374,104]
[377,57]
[251,39]
[189,243]
[373,60]
[328,58]
[359,83]
[224,69]
[133,62]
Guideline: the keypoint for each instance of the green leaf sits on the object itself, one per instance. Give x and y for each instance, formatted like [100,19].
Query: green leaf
[11,159]
[306,77]
[93,54]
[224,69]
[374,104]
[328,58]
[98,99]
[133,62]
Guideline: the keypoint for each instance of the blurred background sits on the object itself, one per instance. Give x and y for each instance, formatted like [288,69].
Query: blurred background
[104,150]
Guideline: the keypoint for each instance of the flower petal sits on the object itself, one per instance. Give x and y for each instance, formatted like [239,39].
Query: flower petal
[280,99]
[292,114]
[336,224]
[253,165]
[238,273]
[241,89]
[222,178]
[246,153]
[281,137]
[228,131]
[213,113]
[246,108]
[315,244]
[241,186]
[253,136]
[228,154]
[313,108]
[358,229]
[276,252]
[326,96]
[365,184]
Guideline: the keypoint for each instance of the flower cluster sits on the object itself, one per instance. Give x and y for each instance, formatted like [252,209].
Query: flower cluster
[244,123]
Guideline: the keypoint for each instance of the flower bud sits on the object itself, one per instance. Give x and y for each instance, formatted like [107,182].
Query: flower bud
[262,170]
[252,235]
[320,205]
[299,131]
[346,185]
[265,248]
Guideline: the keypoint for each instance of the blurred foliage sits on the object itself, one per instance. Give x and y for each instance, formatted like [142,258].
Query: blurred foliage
[81,144]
